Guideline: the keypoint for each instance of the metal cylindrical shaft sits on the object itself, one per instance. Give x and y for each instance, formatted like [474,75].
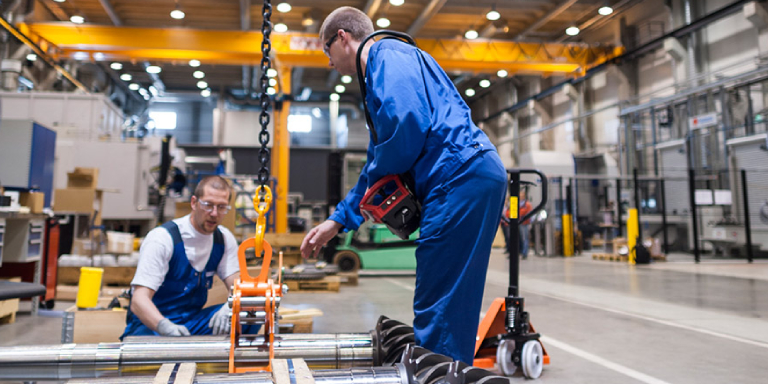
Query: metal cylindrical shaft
[247,303]
[142,355]
[375,375]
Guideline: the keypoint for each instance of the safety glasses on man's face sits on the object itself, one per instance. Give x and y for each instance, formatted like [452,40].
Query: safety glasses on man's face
[327,48]
[208,207]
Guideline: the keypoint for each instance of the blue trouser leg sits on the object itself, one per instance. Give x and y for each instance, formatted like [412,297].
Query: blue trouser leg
[458,225]
[524,239]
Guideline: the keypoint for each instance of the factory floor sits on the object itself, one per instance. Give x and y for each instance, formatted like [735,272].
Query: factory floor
[601,321]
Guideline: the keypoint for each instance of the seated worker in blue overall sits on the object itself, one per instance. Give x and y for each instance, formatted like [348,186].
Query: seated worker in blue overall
[176,267]
[424,129]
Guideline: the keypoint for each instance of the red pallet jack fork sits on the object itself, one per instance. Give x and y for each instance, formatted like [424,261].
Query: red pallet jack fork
[506,336]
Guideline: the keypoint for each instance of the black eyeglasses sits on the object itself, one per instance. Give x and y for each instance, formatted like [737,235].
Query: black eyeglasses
[330,41]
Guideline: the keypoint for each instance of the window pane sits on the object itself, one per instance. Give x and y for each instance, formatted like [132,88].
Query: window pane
[164,120]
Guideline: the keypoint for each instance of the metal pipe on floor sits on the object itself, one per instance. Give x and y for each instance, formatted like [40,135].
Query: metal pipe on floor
[144,355]
[374,375]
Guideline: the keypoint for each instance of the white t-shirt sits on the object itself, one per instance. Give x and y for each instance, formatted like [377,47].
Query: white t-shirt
[157,249]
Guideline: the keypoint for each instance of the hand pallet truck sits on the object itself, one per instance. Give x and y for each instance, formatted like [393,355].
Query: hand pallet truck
[506,336]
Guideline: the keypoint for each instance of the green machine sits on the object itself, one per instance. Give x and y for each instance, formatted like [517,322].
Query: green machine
[373,247]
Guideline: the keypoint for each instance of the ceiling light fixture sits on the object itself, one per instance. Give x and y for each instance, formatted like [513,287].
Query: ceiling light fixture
[198,74]
[284,7]
[471,34]
[177,14]
[134,87]
[281,27]
[194,63]
[116,66]
[605,10]
[340,88]
[307,20]
[31,57]
[383,22]
[271,91]
[154,69]
[59,1]
[126,77]
[205,92]
[153,90]
[346,79]
[502,73]
[469,92]
[493,15]
[77,19]
[485,83]
[202,84]
[272,82]
[572,30]
[397,3]
[335,97]
[271,72]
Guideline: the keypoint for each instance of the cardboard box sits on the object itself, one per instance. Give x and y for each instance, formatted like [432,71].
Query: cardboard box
[98,326]
[83,178]
[119,242]
[85,247]
[34,200]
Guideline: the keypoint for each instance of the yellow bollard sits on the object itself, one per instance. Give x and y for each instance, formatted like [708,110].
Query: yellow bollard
[567,235]
[89,287]
[632,230]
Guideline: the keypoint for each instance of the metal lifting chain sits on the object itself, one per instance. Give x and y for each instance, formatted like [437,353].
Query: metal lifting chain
[266,64]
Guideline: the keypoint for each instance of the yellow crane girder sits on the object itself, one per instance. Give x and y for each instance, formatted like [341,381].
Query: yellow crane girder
[99,42]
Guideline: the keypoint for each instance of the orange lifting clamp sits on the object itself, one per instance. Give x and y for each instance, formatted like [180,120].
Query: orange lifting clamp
[256,298]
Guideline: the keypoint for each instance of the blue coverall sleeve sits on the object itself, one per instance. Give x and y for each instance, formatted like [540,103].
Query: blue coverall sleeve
[400,111]
[348,210]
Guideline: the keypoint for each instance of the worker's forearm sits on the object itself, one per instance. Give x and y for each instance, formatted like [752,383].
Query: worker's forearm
[147,312]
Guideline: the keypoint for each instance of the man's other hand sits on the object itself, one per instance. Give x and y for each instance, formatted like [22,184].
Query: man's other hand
[220,322]
[318,237]
[167,328]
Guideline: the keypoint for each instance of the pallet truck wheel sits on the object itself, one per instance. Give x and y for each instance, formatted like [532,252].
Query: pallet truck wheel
[347,261]
[504,354]
[532,359]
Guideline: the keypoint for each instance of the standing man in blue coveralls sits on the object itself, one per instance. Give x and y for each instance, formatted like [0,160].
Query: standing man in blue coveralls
[176,266]
[425,129]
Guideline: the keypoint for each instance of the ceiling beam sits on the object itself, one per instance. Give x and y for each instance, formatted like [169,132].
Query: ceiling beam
[546,18]
[427,14]
[107,5]
[371,7]
[55,10]
[305,50]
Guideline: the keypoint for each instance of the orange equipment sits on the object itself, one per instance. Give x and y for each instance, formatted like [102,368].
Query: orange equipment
[506,336]
[255,300]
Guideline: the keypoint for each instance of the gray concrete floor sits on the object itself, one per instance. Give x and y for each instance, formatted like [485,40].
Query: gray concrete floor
[601,322]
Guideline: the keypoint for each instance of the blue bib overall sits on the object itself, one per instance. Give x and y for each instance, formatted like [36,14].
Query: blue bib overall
[184,291]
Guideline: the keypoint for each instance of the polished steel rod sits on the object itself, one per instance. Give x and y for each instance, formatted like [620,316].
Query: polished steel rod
[143,355]
[374,375]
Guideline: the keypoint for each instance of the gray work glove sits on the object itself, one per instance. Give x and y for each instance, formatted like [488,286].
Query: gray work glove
[220,322]
[167,328]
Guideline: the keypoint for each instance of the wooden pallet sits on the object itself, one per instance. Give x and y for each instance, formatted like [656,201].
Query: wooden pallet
[117,276]
[348,278]
[327,284]
[608,257]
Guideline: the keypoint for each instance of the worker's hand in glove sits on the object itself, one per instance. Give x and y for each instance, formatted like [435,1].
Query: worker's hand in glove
[220,322]
[317,237]
[167,328]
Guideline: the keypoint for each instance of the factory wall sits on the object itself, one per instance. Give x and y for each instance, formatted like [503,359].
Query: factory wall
[726,47]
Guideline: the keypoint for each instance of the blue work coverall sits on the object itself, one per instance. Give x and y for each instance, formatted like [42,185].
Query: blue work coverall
[424,128]
[184,291]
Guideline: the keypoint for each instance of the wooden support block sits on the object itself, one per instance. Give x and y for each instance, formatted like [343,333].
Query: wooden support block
[164,373]
[280,374]
[283,240]
[301,372]
[121,276]
[348,278]
[186,374]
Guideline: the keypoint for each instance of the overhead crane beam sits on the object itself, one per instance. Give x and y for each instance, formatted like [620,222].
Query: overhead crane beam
[305,50]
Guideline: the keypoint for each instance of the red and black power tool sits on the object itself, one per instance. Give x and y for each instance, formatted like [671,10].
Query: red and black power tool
[391,202]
